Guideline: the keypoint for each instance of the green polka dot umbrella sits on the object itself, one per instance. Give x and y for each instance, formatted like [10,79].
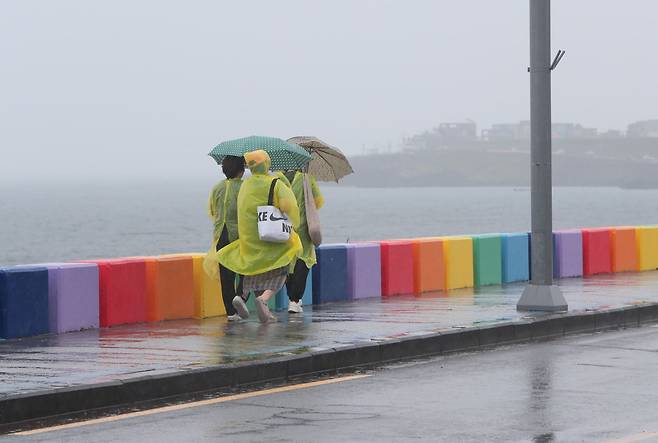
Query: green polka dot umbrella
[284,155]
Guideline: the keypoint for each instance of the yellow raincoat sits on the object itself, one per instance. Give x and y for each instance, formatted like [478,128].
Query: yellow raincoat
[308,248]
[223,208]
[249,255]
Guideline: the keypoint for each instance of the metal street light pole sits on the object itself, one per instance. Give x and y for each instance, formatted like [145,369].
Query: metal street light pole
[541,294]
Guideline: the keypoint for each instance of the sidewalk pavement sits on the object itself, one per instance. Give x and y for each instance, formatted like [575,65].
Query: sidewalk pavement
[36,364]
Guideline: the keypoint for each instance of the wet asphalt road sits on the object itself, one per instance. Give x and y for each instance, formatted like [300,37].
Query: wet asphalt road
[597,387]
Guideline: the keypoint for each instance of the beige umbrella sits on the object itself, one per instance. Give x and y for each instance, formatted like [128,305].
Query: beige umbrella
[327,162]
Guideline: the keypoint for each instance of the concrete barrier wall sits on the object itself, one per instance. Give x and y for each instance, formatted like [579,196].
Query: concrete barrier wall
[330,274]
[73,295]
[429,265]
[23,301]
[62,297]
[397,267]
[647,247]
[487,259]
[122,291]
[623,249]
[364,271]
[597,251]
[515,250]
[567,254]
[458,256]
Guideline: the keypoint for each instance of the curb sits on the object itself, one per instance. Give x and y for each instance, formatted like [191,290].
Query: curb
[61,401]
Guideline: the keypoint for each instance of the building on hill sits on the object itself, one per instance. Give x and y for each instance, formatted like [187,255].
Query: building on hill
[571,130]
[466,131]
[611,133]
[508,131]
[521,131]
[442,135]
[643,129]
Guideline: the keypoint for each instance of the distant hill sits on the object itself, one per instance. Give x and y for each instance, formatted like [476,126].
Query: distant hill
[623,162]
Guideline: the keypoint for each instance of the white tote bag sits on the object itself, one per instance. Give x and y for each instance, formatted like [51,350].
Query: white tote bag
[273,225]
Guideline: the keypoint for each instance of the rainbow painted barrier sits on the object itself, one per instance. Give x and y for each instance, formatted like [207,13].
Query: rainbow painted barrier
[64,297]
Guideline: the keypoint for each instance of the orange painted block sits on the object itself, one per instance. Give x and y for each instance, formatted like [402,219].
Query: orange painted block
[207,292]
[429,265]
[623,249]
[170,288]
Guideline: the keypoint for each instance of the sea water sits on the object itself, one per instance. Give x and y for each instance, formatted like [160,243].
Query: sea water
[65,221]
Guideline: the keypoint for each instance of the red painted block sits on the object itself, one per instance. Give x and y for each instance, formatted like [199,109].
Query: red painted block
[397,267]
[122,291]
[596,251]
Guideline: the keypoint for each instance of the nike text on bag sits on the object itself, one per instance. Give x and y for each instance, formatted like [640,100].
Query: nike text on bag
[273,225]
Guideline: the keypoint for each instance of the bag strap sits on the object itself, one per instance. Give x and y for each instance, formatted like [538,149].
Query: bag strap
[270,198]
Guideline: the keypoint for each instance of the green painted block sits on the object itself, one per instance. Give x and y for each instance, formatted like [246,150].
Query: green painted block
[487,261]
[251,303]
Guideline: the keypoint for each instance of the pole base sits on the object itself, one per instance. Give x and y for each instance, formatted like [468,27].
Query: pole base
[542,298]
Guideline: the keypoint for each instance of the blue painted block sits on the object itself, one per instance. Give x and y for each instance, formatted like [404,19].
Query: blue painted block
[307,298]
[330,274]
[516,259]
[23,301]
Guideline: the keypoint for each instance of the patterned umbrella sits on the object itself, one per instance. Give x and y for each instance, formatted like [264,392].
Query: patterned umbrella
[284,155]
[327,162]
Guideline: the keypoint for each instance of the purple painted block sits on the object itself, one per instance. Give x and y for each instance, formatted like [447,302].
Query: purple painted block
[72,296]
[567,254]
[364,270]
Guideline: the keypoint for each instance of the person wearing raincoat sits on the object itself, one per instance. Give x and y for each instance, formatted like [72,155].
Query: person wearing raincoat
[296,282]
[264,264]
[223,210]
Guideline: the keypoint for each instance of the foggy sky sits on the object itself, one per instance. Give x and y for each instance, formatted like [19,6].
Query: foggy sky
[146,88]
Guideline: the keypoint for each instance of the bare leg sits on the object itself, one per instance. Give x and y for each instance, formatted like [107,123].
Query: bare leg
[264,314]
[266,295]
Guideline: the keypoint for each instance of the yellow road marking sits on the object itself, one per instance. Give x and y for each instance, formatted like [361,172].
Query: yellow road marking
[634,438]
[195,404]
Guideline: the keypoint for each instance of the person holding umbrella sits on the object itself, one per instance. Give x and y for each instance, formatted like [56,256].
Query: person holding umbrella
[264,263]
[282,155]
[296,282]
[327,163]
[223,210]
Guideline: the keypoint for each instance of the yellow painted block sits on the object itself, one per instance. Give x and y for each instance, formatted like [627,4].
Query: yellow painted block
[207,292]
[458,255]
[647,247]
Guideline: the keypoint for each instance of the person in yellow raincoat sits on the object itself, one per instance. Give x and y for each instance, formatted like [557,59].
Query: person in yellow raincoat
[296,282]
[223,210]
[264,264]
